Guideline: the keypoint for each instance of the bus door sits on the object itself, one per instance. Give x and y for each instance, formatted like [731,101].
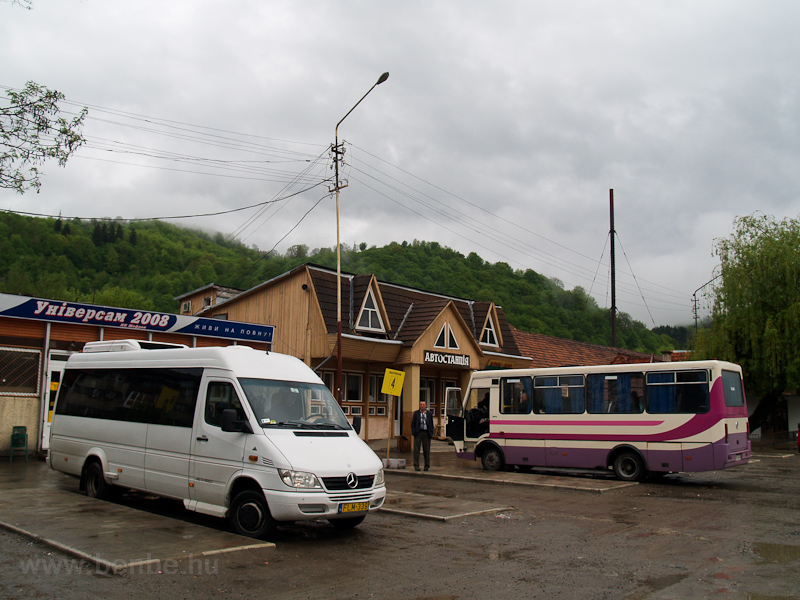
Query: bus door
[56,361]
[454,419]
[216,455]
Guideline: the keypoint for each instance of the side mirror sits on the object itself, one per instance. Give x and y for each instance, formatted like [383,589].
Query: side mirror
[357,423]
[230,424]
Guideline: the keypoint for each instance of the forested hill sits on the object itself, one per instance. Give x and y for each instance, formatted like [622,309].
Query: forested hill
[145,265]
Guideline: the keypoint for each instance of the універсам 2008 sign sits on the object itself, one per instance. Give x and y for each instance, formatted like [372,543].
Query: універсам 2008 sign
[104,316]
[450,360]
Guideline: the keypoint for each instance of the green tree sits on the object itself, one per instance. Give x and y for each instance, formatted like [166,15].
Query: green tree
[32,131]
[756,310]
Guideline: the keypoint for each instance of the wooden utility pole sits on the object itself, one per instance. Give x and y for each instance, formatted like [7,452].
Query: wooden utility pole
[613,275]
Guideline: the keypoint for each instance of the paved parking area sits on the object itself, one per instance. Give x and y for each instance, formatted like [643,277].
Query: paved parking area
[438,508]
[47,506]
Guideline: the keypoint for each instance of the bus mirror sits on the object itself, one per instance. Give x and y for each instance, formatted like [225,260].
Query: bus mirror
[229,422]
[357,423]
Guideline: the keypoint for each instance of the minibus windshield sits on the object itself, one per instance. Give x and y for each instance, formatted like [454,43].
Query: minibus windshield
[293,404]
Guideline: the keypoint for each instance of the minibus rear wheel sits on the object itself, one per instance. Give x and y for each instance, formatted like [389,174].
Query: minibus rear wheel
[94,482]
[249,515]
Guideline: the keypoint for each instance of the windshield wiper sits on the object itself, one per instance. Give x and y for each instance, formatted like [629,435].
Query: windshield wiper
[305,425]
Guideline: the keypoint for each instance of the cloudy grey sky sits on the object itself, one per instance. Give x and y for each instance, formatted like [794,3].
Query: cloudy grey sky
[500,131]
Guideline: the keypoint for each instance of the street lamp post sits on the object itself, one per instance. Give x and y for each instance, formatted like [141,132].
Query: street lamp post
[336,154]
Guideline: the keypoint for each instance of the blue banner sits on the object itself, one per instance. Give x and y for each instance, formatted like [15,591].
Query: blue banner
[125,318]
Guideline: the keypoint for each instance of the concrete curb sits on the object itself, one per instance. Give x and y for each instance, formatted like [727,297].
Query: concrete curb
[599,486]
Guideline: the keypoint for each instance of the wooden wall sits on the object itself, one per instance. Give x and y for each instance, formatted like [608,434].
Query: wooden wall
[299,328]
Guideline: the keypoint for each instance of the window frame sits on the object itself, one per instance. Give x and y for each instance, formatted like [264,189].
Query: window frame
[489,331]
[37,377]
[373,313]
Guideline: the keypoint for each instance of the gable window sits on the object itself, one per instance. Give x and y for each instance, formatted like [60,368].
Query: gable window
[446,338]
[370,317]
[489,336]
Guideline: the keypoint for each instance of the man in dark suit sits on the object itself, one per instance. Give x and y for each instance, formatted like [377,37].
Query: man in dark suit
[422,430]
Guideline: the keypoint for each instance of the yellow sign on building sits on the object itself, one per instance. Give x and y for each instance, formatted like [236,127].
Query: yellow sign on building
[393,382]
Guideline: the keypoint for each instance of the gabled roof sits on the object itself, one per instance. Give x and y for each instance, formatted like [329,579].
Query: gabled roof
[419,317]
[549,351]
[409,311]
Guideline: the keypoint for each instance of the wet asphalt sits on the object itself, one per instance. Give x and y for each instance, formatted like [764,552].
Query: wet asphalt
[47,506]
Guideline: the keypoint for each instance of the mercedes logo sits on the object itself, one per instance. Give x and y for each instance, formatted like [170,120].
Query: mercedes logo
[352,480]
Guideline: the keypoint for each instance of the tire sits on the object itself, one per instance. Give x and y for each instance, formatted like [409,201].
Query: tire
[94,482]
[492,459]
[628,466]
[249,515]
[347,523]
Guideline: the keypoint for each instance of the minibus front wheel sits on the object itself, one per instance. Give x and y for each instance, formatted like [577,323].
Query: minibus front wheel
[249,515]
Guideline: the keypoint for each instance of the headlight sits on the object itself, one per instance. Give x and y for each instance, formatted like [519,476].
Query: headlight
[379,478]
[298,479]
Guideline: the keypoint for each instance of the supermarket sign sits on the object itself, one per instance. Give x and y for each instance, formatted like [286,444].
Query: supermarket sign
[104,316]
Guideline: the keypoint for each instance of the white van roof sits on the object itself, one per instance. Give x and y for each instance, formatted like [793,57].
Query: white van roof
[242,361]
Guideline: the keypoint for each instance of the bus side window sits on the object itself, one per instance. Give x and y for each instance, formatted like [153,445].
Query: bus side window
[618,393]
[477,413]
[516,396]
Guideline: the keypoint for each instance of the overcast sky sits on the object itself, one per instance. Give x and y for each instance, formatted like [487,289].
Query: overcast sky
[500,130]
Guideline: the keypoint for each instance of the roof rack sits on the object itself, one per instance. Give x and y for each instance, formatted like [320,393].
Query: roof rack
[127,345]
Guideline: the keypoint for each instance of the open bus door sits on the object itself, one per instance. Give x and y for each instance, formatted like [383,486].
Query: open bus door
[454,413]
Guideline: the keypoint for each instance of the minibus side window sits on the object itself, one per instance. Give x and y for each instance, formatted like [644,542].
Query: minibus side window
[222,395]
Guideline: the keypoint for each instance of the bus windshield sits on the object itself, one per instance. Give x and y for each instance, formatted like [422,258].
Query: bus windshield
[293,404]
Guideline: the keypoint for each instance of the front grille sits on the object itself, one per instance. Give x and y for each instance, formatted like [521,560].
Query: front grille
[335,484]
[356,497]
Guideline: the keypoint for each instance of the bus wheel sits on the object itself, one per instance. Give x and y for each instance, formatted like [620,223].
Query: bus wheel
[492,459]
[628,466]
[249,515]
[347,523]
[95,483]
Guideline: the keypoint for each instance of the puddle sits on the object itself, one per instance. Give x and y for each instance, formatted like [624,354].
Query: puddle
[624,518]
[660,583]
[778,553]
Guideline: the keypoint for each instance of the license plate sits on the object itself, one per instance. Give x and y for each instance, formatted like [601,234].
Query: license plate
[354,507]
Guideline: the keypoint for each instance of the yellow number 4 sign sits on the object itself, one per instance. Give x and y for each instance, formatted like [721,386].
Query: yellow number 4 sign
[393,382]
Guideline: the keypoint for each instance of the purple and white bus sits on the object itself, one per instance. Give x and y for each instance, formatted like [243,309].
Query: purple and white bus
[635,420]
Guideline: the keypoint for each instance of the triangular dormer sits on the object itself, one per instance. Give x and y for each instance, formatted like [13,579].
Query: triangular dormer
[446,338]
[490,334]
[372,315]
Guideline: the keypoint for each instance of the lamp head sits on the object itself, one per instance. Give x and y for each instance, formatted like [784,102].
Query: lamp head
[383,78]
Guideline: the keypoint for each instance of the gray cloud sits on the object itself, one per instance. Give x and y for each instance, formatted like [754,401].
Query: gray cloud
[500,130]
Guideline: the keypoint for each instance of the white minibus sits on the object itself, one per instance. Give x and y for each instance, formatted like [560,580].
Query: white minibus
[231,431]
